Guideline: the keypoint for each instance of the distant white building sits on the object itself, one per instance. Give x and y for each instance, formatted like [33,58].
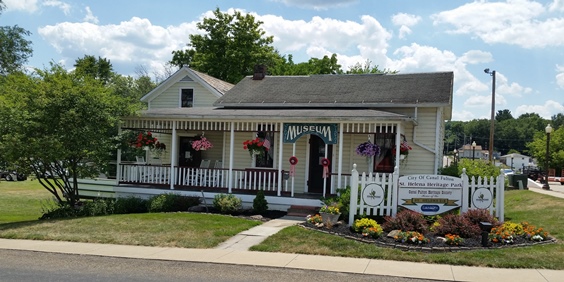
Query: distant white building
[517,161]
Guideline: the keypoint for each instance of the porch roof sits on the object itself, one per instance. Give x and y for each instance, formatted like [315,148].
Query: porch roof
[316,114]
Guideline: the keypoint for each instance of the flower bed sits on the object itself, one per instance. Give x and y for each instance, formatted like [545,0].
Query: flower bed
[435,244]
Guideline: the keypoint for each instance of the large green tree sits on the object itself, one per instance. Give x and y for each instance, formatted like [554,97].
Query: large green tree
[232,44]
[537,149]
[100,69]
[15,49]
[56,122]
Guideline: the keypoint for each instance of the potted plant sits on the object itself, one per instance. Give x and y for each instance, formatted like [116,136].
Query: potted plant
[404,149]
[330,213]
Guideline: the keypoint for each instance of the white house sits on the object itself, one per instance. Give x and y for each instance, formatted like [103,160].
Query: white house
[517,161]
[312,126]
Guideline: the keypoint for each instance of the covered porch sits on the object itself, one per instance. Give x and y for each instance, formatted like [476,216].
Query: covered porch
[228,168]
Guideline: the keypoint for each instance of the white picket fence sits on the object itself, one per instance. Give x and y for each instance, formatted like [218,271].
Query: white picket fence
[473,190]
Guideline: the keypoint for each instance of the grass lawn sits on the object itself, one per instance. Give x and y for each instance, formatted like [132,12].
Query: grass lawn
[537,209]
[20,207]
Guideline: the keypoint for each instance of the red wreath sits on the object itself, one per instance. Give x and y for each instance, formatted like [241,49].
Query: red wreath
[293,161]
[325,163]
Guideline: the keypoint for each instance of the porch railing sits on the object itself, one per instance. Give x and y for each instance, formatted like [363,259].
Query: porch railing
[188,177]
[243,179]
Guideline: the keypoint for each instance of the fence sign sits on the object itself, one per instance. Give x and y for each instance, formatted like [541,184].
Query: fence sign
[381,193]
[430,194]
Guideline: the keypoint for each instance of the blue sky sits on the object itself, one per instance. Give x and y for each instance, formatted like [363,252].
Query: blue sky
[522,40]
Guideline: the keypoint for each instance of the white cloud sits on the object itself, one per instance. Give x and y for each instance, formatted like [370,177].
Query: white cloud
[517,22]
[317,4]
[65,7]
[560,76]
[557,6]
[405,21]
[131,43]
[462,115]
[21,5]
[546,111]
[321,36]
[90,16]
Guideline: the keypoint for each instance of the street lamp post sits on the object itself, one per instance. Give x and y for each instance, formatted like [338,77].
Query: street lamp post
[473,149]
[548,130]
[455,157]
[492,124]
[511,163]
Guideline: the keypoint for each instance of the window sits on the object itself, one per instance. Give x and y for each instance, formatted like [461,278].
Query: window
[266,160]
[187,98]
[385,161]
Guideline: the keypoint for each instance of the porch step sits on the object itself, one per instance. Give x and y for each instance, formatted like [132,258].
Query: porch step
[303,211]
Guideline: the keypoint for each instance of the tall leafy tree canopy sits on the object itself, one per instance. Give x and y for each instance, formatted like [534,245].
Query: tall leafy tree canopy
[230,47]
[100,69]
[56,122]
[15,49]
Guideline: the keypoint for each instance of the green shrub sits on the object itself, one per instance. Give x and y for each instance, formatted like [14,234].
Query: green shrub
[260,204]
[53,210]
[171,202]
[159,203]
[360,224]
[406,220]
[183,203]
[227,203]
[130,204]
[96,207]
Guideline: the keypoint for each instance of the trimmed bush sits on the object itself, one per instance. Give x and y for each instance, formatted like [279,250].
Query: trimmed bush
[406,220]
[475,216]
[130,204]
[172,203]
[456,225]
[227,203]
[260,204]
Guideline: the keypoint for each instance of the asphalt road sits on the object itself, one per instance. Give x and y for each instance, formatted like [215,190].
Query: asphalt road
[45,267]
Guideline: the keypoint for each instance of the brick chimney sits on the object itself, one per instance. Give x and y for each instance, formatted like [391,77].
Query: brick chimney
[260,72]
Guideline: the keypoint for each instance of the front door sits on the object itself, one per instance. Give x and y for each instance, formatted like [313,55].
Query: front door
[187,155]
[316,154]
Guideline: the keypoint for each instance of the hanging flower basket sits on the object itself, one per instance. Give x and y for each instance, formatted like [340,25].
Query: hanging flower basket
[202,144]
[404,148]
[255,146]
[368,149]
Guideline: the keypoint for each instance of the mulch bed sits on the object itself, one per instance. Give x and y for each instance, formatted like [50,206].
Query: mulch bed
[435,244]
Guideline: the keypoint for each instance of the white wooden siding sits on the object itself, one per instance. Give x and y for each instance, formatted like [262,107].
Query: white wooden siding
[170,98]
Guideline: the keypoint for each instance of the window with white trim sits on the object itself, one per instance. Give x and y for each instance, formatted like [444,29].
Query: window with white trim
[187,98]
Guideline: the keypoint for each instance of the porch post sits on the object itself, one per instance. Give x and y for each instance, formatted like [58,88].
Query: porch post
[280,148]
[231,144]
[173,151]
[340,165]
[398,140]
[118,176]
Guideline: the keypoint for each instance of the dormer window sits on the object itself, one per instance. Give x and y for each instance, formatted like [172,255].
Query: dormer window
[187,98]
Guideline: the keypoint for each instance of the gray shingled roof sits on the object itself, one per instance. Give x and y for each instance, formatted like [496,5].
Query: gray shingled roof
[273,114]
[367,90]
[218,84]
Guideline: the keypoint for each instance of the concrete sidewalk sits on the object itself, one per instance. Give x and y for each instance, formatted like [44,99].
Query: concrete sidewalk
[235,251]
